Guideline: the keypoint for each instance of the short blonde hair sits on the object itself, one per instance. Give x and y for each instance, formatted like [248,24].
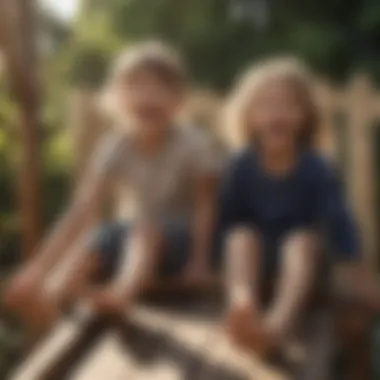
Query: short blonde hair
[288,69]
[156,57]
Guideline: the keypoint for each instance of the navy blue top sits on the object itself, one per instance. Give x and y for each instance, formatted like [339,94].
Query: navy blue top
[308,197]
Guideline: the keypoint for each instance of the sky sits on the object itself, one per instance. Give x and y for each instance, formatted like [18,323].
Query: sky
[64,9]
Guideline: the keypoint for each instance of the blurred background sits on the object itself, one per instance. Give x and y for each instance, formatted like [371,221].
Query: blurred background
[54,55]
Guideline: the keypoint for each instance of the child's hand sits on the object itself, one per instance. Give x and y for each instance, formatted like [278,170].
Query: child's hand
[109,301]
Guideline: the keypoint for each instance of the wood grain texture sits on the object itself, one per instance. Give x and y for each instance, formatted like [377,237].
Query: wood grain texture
[154,342]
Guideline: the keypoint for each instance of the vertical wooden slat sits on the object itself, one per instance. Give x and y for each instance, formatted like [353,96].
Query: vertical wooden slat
[326,139]
[17,32]
[360,179]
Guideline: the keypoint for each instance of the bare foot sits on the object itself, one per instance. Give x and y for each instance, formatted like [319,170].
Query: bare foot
[241,325]
[107,301]
[270,335]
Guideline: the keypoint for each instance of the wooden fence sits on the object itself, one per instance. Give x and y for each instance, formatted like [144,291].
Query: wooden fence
[349,135]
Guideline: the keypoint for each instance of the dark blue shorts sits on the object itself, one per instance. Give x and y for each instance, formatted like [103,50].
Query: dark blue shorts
[110,238]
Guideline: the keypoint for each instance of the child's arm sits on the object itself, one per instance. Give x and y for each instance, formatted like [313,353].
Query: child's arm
[240,242]
[83,210]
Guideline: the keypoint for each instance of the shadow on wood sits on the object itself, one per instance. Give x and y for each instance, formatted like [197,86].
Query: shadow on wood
[172,341]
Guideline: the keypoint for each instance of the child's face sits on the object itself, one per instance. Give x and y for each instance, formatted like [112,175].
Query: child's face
[276,115]
[147,101]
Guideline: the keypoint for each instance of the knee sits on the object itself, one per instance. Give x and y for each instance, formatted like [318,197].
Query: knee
[149,234]
[242,238]
[300,250]
[303,240]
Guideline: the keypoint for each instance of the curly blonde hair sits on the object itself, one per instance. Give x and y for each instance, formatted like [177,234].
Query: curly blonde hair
[288,69]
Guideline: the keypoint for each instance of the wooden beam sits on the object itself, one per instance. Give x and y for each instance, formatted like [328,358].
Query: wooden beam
[18,39]
[360,179]
[173,342]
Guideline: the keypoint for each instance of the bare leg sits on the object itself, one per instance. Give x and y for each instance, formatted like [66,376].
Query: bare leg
[66,282]
[297,271]
[72,280]
[242,251]
[140,257]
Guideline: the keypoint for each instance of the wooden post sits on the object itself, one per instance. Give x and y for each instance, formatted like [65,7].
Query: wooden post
[360,179]
[17,33]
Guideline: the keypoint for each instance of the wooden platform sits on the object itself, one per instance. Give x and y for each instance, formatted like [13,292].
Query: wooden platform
[168,343]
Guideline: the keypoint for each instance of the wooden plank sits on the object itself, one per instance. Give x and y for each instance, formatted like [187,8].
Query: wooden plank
[170,343]
[106,361]
[360,180]
[203,336]
[61,339]
[320,346]
[225,360]
[110,361]
[47,359]
[152,341]
[64,344]
[162,371]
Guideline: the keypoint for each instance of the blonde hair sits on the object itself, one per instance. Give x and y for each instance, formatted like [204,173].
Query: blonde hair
[155,56]
[287,69]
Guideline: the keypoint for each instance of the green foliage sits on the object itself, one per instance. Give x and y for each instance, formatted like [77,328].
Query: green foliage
[56,163]
[88,65]
[86,58]
[335,37]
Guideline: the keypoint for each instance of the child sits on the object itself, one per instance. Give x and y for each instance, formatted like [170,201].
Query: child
[164,176]
[276,195]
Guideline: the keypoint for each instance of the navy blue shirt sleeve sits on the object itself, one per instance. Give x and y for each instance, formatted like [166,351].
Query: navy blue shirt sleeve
[231,205]
[337,217]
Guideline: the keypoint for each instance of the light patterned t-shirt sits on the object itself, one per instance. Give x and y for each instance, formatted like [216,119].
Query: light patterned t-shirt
[159,185]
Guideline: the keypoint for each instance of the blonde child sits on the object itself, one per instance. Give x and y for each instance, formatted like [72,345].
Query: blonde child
[277,196]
